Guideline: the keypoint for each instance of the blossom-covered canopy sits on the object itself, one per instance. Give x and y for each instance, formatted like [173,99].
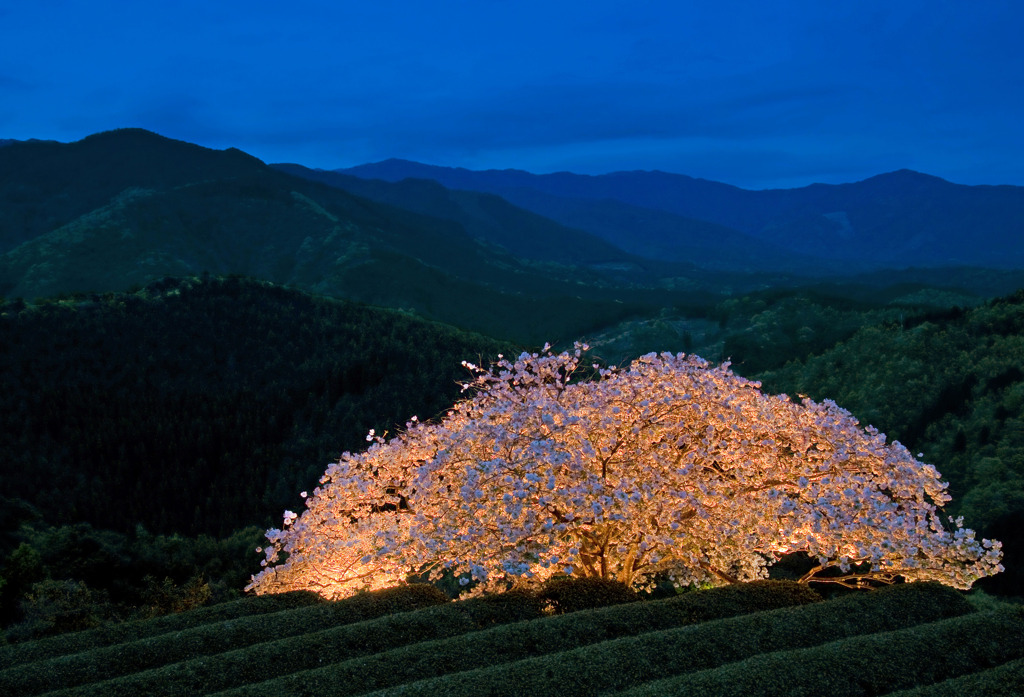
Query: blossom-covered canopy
[670,468]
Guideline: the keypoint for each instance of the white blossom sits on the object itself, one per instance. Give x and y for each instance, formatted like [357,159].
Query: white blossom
[668,467]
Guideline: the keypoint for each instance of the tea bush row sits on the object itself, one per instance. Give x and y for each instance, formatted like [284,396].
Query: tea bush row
[202,674]
[317,648]
[208,638]
[874,664]
[542,636]
[51,647]
[1006,680]
[623,663]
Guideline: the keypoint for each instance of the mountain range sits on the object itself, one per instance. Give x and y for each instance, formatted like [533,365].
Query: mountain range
[514,255]
[897,220]
[123,208]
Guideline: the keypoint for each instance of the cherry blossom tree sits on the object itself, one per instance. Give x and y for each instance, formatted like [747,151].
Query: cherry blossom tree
[669,468]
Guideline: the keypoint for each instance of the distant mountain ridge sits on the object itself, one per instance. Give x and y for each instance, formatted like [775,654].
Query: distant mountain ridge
[896,220]
[588,226]
[484,216]
[45,184]
[125,207]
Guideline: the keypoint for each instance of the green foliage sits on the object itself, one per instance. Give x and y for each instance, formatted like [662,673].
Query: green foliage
[24,566]
[757,596]
[993,499]
[195,407]
[118,577]
[210,638]
[126,208]
[572,593]
[54,607]
[131,631]
[514,605]
[765,330]
[743,634]
[770,330]
[875,664]
[488,218]
[165,597]
[953,384]
[1002,681]
[628,661]
[456,636]
[420,615]
[397,599]
[982,601]
[19,572]
[515,642]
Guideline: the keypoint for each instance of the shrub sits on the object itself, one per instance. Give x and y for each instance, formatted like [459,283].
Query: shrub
[41,649]
[1005,680]
[54,607]
[874,664]
[515,605]
[403,598]
[766,594]
[207,673]
[210,638]
[622,663]
[498,645]
[169,597]
[570,594]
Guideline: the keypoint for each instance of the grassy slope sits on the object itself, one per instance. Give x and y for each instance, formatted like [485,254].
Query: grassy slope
[733,640]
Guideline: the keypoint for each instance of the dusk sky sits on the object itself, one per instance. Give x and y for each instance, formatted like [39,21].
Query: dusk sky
[758,94]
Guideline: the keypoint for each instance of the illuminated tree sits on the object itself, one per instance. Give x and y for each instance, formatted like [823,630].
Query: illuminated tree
[668,468]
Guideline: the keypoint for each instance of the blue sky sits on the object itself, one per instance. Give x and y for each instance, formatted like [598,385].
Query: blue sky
[757,94]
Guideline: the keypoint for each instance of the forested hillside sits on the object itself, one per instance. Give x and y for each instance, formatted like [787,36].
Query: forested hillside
[128,207]
[204,405]
[131,423]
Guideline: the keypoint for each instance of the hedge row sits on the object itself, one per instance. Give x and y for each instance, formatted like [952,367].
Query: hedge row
[623,663]
[51,647]
[1006,680]
[209,637]
[526,639]
[874,664]
[205,674]
[570,594]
